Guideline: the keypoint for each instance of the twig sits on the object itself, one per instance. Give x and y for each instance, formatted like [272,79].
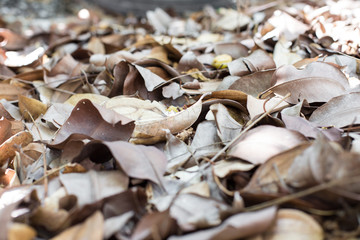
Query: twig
[248,128]
[303,193]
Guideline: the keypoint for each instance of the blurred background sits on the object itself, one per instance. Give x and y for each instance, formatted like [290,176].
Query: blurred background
[54,8]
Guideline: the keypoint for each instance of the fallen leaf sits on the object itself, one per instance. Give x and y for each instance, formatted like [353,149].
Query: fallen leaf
[21,231]
[294,224]
[271,140]
[193,212]
[268,180]
[91,229]
[283,55]
[31,108]
[94,98]
[154,225]
[340,111]
[93,186]
[5,129]
[257,61]
[318,82]
[151,130]
[96,46]
[227,127]
[255,83]
[101,124]
[136,161]
[13,144]
[11,92]
[237,226]
[223,168]
[235,50]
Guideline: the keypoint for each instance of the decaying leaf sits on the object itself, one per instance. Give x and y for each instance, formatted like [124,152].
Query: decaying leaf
[237,226]
[269,139]
[150,131]
[318,82]
[129,157]
[13,144]
[340,111]
[89,120]
[93,186]
[31,108]
[91,229]
[294,224]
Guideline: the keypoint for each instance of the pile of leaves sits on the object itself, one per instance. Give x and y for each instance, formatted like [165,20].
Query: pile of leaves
[227,124]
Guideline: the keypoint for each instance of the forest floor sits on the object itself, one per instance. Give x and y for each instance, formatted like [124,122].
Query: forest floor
[224,124]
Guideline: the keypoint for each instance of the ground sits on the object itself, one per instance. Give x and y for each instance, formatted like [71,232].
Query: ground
[224,123]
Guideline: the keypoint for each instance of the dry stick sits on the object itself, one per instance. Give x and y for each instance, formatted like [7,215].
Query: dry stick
[303,193]
[248,128]
[51,172]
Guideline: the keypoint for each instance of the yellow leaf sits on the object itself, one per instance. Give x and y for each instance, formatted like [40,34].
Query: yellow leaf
[21,231]
[221,61]
[31,108]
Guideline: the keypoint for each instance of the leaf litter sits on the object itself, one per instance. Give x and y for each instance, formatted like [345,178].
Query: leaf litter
[228,124]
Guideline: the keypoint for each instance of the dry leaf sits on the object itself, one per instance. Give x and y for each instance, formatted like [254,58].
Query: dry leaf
[31,108]
[340,111]
[93,186]
[13,144]
[21,231]
[136,161]
[294,224]
[235,227]
[89,120]
[257,61]
[91,229]
[269,139]
[94,98]
[96,46]
[149,131]
[154,225]
[318,82]
[11,92]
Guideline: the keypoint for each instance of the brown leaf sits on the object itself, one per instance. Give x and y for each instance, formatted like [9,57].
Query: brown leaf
[60,73]
[21,231]
[303,226]
[94,185]
[149,131]
[271,140]
[257,61]
[235,50]
[235,227]
[192,211]
[189,61]
[89,120]
[318,82]
[8,178]
[312,166]
[154,225]
[266,179]
[96,46]
[310,129]
[255,83]
[5,129]
[91,229]
[340,111]
[12,40]
[137,161]
[31,108]
[11,92]
[11,145]
[228,128]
